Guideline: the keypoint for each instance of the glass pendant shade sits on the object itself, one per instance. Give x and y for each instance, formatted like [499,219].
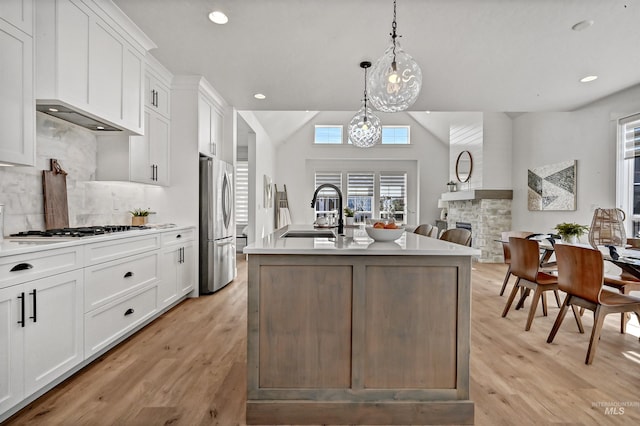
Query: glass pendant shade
[364,128]
[395,80]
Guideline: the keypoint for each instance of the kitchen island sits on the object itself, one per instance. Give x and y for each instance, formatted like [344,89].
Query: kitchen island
[346,330]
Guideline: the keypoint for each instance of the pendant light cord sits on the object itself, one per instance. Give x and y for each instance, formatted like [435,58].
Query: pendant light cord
[365,94]
[394,26]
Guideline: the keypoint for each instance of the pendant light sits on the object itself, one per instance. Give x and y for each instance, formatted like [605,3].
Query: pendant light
[364,128]
[395,78]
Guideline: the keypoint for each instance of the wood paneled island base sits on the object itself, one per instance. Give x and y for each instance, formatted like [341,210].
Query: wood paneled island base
[359,338]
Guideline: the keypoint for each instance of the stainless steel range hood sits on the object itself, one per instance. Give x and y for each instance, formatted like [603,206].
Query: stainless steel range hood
[75,117]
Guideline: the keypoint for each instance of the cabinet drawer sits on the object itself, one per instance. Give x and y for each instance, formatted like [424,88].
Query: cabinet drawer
[30,266]
[106,324]
[108,281]
[117,249]
[177,237]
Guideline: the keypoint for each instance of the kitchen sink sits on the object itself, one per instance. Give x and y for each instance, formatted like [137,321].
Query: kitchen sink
[308,234]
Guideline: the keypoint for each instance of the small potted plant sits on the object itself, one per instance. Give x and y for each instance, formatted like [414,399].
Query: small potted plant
[571,232]
[452,186]
[139,216]
[349,214]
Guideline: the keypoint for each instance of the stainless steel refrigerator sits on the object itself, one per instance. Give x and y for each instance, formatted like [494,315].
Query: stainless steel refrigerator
[217,233]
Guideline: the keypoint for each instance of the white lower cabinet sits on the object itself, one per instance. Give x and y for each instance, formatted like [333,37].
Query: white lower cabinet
[105,325]
[41,334]
[177,275]
[61,308]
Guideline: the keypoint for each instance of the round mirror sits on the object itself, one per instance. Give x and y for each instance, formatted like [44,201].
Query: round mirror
[464,166]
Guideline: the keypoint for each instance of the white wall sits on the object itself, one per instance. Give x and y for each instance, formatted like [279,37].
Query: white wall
[497,142]
[428,155]
[261,163]
[587,135]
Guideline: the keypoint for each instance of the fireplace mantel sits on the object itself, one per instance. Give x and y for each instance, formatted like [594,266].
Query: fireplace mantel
[478,194]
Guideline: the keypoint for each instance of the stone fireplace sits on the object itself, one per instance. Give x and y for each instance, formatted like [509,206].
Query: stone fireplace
[488,212]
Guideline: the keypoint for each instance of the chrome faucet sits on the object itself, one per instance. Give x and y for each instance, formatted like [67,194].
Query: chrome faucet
[315,196]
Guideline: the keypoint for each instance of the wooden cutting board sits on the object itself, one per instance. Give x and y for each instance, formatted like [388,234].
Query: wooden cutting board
[54,187]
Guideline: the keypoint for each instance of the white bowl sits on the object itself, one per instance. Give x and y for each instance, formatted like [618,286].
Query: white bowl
[381,234]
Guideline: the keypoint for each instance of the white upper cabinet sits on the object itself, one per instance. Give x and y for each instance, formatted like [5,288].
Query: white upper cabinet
[90,57]
[143,159]
[209,124]
[17,109]
[18,13]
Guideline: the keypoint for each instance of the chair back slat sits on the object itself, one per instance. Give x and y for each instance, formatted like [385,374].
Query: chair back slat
[580,271]
[506,251]
[525,258]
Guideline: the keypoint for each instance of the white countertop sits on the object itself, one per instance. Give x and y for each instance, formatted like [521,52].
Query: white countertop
[356,242]
[10,247]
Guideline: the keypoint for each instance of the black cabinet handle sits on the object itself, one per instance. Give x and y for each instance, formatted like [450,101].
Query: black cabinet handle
[152,172]
[34,317]
[179,236]
[128,275]
[21,267]
[156,166]
[129,312]
[155,97]
[21,320]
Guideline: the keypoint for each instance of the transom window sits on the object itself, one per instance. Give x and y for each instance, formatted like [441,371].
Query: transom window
[395,135]
[331,135]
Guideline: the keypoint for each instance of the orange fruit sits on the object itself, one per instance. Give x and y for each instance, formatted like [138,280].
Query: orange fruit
[391,226]
[379,225]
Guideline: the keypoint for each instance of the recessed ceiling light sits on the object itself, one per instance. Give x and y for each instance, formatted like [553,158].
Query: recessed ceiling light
[428,112]
[100,127]
[582,25]
[259,96]
[218,17]
[588,78]
[53,109]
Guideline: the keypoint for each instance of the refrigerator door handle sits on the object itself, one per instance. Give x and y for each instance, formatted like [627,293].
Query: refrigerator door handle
[226,200]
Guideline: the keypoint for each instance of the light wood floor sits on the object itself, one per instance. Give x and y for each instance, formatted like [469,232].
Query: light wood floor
[188,368]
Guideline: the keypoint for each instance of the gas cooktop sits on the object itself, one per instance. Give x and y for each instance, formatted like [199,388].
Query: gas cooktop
[84,231]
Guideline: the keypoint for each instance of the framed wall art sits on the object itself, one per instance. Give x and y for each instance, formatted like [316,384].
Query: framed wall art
[552,187]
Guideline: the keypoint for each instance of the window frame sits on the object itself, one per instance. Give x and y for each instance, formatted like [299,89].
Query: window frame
[328,126]
[396,126]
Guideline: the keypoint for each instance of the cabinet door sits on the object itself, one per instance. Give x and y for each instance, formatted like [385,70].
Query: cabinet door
[168,285]
[140,154]
[132,75]
[216,130]
[159,148]
[105,71]
[187,270]
[18,13]
[53,333]
[204,126]
[11,343]
[157,96]
[17,113]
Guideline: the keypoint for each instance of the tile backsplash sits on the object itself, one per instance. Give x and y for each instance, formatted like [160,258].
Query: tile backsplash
[90,202]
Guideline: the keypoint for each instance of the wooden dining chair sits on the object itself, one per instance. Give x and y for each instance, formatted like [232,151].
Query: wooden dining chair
[457,235]
[506,252]
[581,276]
[624,283]
[525,265]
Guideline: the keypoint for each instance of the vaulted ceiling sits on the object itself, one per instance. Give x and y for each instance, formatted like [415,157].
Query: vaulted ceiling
[475,55]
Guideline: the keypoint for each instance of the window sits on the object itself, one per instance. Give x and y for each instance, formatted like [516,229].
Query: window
[395,135]
[327,200]
[328,135]
[360,194]
[242,193]
[393,196]
[374,194]
[629,198]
